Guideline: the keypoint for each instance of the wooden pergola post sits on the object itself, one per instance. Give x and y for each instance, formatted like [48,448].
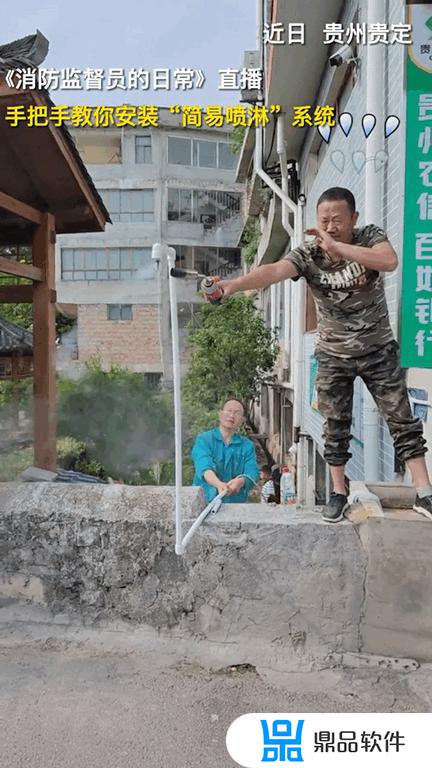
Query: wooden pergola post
[40,168]
[44,345]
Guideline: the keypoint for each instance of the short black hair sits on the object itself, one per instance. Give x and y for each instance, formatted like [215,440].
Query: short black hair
[266,468]
[338,193]
[236,400]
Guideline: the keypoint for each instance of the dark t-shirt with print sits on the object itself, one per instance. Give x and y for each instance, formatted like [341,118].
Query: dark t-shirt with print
[351,304]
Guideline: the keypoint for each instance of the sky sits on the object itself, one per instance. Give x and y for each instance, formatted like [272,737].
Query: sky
[139,33]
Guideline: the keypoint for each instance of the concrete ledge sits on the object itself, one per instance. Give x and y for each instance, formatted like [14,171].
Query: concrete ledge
[253,573]
[394,495]
[397,615]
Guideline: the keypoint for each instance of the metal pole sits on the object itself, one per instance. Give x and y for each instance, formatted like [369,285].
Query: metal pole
[373,213]
[171,255]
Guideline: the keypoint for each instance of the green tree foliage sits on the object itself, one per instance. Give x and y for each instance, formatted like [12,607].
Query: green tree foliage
[233,353]
[20,314]
[19,392]
[124,425]
[236,138]
[250,241]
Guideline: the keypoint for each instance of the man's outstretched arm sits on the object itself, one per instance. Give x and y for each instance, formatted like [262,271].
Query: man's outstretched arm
[261,277]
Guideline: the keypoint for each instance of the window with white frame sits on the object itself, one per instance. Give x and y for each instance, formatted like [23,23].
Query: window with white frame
[143,149]
[129,204]
[210,208]
[119,312]
[201,153]
[226,159]
[179,151]
[204,153]
[106,264]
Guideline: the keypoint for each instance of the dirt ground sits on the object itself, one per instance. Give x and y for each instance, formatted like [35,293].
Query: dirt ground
[80,698]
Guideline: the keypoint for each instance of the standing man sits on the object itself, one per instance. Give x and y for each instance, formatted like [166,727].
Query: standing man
[342,267]
[221,457]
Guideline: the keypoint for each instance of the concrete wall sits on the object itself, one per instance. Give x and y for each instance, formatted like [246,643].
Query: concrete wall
[300,588]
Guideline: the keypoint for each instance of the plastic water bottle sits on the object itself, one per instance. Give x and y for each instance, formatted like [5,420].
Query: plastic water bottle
[287,487]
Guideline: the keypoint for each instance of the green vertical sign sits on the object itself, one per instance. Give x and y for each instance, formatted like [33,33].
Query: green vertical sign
[416,320]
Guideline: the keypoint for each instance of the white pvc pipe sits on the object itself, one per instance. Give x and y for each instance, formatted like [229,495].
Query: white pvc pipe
[298,374]
[171,255]
[298,305]
[373,212]
[278,191]
[213,506]
[287,286]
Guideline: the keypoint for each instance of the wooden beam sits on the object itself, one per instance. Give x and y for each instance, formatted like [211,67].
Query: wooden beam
[73,165]
[21,294]
[22,157]
[19,208]
[44,347]
[6,92]
[11,267]
[16,294]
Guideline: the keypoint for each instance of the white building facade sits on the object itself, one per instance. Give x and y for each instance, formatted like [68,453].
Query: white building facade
[166,184]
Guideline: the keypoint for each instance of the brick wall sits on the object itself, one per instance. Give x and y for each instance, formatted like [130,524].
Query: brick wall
[132,343]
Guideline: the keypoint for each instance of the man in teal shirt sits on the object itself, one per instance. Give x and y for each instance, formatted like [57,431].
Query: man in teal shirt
[221,456]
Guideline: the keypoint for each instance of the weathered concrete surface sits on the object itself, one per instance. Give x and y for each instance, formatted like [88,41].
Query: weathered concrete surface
[254,575]
[397,615]
[84,697]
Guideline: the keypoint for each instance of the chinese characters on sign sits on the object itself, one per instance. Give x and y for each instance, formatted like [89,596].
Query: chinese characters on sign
[294,33]
[416,322]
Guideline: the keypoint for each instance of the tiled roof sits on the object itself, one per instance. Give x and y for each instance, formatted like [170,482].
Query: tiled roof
[26,52]
[13,338]
[31,51]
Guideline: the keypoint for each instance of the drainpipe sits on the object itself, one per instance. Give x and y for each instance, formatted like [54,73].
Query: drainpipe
[289,319]
[299,318]
[298,304]
[259,170]
[373,211]
[298,292]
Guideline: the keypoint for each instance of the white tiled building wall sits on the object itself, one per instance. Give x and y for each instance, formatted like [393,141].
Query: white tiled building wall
[327,175]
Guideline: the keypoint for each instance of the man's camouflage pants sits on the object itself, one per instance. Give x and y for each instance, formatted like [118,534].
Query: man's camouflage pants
[385,380]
